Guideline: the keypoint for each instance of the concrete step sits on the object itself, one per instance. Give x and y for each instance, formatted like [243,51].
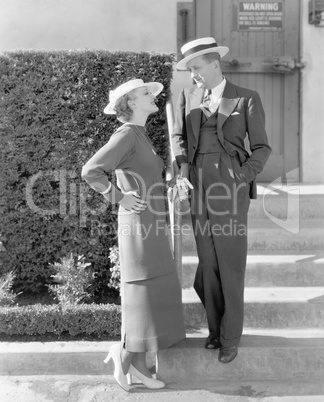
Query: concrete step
[310,207]
[271,356]
[30,366]
[59,358]
[278,307]
[266,236]
[63,388]
[270,269]
[62,371]
[307,200]
[304,201]
[267,333]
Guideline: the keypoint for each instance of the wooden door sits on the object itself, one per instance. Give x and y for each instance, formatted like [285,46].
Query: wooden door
[263,38]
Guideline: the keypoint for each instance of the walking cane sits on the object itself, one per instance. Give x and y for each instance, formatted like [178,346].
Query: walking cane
[175,206]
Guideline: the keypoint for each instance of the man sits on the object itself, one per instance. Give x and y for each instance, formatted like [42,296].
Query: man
[213,118]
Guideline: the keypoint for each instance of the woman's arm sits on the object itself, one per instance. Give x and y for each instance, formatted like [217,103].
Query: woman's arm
[111,156]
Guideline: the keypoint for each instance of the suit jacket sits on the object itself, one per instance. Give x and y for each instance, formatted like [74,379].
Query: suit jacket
[240,113]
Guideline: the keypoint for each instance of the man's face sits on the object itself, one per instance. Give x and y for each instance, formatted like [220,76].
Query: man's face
[202,72]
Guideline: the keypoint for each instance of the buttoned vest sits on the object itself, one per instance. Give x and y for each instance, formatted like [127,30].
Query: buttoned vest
[208,139]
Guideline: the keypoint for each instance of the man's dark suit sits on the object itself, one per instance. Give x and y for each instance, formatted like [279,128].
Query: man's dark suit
[223,175]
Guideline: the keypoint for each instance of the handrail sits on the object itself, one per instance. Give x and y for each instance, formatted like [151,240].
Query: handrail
[175,207]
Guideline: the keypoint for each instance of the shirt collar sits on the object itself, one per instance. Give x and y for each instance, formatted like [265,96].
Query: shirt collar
[218,91]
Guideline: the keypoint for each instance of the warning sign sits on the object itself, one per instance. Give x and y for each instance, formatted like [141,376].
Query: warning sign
[260,16]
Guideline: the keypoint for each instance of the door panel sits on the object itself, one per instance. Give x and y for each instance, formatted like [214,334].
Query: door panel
[264,58]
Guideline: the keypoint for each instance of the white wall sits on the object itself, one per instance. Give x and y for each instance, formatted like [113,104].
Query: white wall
[312,102]
[138,25]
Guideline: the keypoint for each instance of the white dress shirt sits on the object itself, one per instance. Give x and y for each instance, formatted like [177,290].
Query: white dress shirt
[216,96]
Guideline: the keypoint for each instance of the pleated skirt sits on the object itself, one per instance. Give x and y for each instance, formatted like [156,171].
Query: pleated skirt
[152,316]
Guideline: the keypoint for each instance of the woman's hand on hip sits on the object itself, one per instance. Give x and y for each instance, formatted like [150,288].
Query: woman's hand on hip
[132,202]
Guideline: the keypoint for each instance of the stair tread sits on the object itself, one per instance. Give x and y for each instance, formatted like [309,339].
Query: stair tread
[266,223]
[303,188]
[270,295]
[285,333]
[259,341]
[267,258]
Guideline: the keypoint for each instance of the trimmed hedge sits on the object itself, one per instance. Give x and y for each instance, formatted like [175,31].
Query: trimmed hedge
[98,320]
[51,123]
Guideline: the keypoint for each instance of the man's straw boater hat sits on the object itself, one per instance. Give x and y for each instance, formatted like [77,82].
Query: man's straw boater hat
[198,47]
[154,87]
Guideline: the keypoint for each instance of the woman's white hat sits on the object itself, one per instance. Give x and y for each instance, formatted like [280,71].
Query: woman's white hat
[198,47]
[154,87]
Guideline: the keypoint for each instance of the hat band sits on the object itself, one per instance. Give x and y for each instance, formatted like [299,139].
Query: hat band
[198,49]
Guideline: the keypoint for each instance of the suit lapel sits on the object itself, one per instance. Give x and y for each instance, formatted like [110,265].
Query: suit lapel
[227,105]
[195,99]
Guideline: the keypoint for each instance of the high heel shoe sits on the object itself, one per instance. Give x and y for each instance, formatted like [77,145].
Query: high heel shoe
[119,375]
[147,381]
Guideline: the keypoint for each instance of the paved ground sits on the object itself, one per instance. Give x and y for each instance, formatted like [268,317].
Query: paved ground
[103,388]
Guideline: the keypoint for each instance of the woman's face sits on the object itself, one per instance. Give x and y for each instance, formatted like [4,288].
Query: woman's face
[143,100]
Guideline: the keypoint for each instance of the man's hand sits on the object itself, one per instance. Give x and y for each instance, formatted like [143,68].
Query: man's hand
[132,202]
[179,186]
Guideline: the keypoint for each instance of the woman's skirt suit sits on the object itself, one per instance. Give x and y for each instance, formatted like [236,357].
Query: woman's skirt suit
[150,291]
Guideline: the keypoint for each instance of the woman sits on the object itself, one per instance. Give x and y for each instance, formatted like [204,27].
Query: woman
[150,291]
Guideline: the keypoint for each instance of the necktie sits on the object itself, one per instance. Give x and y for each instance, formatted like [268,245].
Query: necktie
[204,106]
[207,100]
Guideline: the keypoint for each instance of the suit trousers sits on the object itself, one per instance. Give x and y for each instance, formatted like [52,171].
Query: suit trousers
[219,207]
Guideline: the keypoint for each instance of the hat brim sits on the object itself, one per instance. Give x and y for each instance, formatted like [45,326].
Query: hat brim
[221,50]
[154,87]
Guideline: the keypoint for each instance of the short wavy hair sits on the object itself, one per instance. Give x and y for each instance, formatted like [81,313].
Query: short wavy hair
[123,110]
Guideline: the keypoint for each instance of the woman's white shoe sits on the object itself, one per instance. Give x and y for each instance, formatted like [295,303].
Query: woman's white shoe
[147,381]
[119,375]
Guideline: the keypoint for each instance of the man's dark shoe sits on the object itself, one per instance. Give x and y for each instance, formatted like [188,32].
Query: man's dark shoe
[212,343]
[227,354]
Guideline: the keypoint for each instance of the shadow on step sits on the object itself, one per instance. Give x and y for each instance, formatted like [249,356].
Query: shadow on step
[194,390]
